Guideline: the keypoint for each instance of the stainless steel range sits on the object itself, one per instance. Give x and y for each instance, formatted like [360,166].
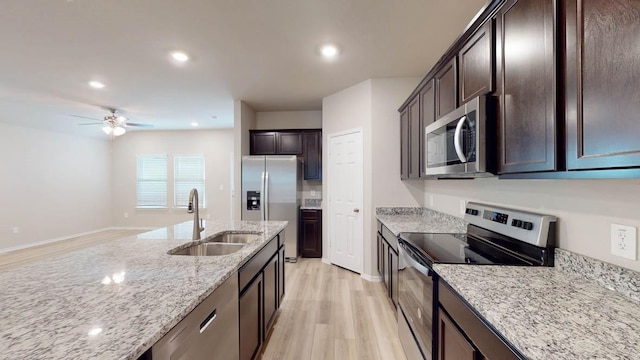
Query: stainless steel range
[495,236]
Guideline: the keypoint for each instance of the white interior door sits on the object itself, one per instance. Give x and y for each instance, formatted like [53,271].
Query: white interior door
[345,194]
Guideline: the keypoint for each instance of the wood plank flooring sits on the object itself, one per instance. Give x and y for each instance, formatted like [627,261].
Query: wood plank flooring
[21,257]
[332,313]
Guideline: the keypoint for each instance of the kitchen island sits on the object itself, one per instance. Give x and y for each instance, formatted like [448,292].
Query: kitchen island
[115,300]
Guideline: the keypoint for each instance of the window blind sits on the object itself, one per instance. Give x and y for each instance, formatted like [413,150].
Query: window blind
[188,174]
[151,189]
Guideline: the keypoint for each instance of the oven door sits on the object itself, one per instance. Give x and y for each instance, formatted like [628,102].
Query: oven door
[415,299]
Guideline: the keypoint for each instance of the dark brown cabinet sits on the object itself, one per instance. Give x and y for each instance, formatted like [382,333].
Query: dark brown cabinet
[476,61]
[452,344]
[312,153]
[446,83]
[260,287]
[462,334]
[251,319]
[388,262]
[305,142]
[602,77]
[525,32]
[263,143]
[411,141]
[427,116]
[311,233]
[405,144]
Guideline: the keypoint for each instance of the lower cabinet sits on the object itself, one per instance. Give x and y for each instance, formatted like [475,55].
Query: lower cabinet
[388,262]
[462,335]
[261,288]
[310,233]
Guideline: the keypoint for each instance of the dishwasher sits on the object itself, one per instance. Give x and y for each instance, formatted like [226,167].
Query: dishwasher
[210,331]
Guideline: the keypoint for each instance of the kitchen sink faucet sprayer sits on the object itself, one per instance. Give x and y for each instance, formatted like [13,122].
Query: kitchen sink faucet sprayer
[193,208]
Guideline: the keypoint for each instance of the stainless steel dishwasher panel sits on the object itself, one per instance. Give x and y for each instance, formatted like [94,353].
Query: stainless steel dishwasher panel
[210,331]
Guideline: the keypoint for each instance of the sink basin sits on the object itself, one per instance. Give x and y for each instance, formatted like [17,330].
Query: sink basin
[209,249]
[237,238]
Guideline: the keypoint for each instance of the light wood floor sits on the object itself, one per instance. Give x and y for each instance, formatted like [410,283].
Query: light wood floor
[332,313]
[21,257]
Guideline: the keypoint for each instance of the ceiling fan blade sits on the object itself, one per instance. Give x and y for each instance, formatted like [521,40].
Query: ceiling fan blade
[85,117]
[93,123]
[139,125]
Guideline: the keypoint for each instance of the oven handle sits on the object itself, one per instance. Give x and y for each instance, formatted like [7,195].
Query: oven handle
[407,259]
[457,139]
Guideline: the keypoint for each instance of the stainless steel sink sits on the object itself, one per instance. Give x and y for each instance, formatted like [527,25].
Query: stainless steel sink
[209,249]
[237,238]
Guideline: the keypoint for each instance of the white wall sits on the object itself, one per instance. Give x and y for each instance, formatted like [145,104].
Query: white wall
[52,185]
[372,105]
[267,120]
[244,120]
[585,208]
[215,145]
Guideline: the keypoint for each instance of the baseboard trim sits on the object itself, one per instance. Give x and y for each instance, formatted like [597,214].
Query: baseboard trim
[67,237]
[371,278]
[326,261]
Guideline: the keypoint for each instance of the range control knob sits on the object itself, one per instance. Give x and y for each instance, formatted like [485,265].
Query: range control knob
[471,211]
[518,223]
[527,225]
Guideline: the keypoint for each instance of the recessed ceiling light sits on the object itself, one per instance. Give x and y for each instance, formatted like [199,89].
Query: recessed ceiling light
[194,124]
[179,56]
[95,331]
[96,84]
[329,51]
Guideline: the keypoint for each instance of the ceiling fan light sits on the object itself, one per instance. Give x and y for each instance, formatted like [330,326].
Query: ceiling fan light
[117,131]
[107,130]
[120,119]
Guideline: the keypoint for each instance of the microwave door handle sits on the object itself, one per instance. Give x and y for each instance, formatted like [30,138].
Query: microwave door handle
[457,139]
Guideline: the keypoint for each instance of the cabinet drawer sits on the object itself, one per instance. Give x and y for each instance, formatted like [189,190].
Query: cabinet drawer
[257,262]
[310,214]
[390,238]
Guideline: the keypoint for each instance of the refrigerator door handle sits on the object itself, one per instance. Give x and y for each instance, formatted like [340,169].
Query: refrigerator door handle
[263,204]
[266,197]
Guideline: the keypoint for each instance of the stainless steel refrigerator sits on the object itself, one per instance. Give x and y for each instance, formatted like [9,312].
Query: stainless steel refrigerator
[271,188]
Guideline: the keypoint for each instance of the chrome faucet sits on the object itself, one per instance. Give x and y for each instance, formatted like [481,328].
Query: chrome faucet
[193,208]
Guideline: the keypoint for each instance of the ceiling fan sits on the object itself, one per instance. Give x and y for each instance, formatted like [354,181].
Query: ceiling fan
[114,124]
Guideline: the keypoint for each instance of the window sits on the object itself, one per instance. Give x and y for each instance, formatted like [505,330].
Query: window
[151,189]
[188,174]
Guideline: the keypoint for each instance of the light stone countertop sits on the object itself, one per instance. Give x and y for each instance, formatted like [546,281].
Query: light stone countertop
[61,309]
[399,219]
[549,314]
[310,207]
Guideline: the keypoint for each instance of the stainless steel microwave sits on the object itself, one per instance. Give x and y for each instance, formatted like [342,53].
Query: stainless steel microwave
[461,144]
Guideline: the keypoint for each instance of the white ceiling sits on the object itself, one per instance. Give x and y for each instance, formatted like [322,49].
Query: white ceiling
[264,52]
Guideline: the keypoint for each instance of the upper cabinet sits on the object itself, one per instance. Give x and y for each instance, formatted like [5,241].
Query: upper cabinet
[602,84]
[411,141]
[476,60]
[526,87]
[446,81]
[306,143]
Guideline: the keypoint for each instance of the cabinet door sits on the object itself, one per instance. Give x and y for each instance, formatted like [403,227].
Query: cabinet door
[251,319]
[446,81]
[602,92]
[263,143]
[289,143]
[270,274]
[415,155]
[380,256]
[404,143]
[452,344]
[280,275]
[385,266]
[525,42]
[312,153]
[427,116]
[311,233]
[393,276]
[476,64]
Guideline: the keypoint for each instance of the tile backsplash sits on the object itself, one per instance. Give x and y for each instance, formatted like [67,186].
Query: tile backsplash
[313,202]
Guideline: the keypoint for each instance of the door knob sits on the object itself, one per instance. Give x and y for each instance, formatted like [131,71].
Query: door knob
[356,210]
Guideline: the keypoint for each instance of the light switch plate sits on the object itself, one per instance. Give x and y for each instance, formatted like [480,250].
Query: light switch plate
[624,241]
[463,206]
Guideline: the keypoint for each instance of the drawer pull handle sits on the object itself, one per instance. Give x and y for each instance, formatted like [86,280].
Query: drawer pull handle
[205,324]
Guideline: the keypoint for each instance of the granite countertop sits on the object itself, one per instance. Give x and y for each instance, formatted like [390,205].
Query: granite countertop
[310,207]
[547,313]
[114,300]
[398,219]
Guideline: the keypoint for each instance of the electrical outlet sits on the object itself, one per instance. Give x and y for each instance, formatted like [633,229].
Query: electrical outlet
[126,215]
[623,241]
[463,206]
[313,193]
[221,187]
[431,201]
[15,229]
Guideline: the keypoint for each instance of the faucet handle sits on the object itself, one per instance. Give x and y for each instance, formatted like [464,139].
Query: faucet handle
[201,227]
